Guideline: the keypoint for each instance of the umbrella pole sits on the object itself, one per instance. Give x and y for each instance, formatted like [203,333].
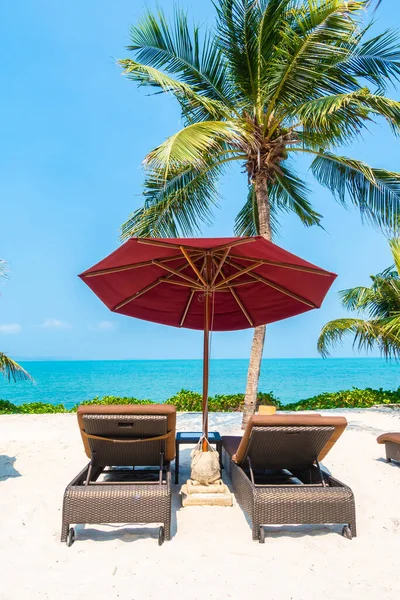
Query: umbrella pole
[206,359]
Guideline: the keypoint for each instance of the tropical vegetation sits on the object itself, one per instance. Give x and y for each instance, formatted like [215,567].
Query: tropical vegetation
[8,367]
[188,401]
[273,80]
[380,303]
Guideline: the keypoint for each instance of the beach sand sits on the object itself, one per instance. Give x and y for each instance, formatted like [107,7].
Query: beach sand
[211,554]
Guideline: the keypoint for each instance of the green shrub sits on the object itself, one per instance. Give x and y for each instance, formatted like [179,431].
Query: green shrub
[187,401]
[39,408]
[112,400]
[8,408]
[268,399]
[354,398]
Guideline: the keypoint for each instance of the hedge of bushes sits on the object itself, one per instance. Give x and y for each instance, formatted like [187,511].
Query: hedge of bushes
[187,401]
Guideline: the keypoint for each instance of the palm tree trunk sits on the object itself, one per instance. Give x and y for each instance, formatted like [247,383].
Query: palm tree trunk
[253,374]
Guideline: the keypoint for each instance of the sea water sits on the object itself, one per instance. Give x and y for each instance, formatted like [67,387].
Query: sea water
[70,382]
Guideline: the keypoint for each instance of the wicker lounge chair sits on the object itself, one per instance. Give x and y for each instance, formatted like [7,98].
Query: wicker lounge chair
[392,445]
[276,475]
[128,478]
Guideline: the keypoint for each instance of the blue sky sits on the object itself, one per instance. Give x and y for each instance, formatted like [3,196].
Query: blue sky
[73,135]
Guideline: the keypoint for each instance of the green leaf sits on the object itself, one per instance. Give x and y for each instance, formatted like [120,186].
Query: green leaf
[193,55]
[246,222]
[375,192]
[289,194]
[178,205]
[367,334]
[237,36]
[303,67]
[340,118]
[381,303]
[187,95]
[377,60]
[192,145]
[3,269]
[11,369]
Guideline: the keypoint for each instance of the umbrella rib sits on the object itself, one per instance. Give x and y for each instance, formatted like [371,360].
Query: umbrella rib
[236,284]
[234,243]
[185,312]
[220,265]
[163,244]
[131,266]
[193,282]
[233,292]
[182,284]
[282,265]
[137,294]
[240,303]
[277,287]
[191,263]
[236,275]
[148,288]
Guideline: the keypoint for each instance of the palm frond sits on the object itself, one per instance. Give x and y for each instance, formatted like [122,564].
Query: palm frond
[188,53]
[237,36]
[11,369]
[246,222]
[3,269]
[320,36]
[377,60]
[192,145]
[290,194]
[340,118]
[274,15]
[189,99]
[367,335]
[391,329]
[357,298]
[381,303]
[375,192]
[394,245]
[181,203]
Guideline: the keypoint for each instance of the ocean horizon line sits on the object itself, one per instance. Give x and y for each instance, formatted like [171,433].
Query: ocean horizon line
[269,358]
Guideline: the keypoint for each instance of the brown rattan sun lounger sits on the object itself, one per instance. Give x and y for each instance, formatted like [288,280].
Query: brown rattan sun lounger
[128,478]
[392,445]
[277,477]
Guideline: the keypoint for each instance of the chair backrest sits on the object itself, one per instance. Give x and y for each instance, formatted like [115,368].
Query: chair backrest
[122,435]
[288,441]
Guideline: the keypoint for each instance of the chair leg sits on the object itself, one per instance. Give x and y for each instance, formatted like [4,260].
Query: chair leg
[255,530]
[64,531]
[167,530]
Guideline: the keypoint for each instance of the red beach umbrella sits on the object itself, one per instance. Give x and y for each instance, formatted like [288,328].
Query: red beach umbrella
[218,284]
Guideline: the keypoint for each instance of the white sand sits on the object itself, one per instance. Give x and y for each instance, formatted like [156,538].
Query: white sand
[211,555]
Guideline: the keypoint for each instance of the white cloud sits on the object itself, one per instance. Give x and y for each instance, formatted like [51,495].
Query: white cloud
[10,328]
[103,326]
[55,324]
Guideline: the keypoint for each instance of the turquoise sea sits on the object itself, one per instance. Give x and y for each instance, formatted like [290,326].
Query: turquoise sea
[70,382]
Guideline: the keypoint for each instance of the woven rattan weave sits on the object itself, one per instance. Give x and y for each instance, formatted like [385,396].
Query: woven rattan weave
[279,484]
[127,479]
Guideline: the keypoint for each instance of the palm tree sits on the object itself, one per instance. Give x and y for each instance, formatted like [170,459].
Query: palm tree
[381,303]
[8,366]
[274,79]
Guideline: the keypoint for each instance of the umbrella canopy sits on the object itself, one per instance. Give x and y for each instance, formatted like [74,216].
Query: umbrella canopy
[252,281]
[218,284]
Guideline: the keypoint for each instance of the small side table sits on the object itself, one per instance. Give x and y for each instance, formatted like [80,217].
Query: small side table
[192,437]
